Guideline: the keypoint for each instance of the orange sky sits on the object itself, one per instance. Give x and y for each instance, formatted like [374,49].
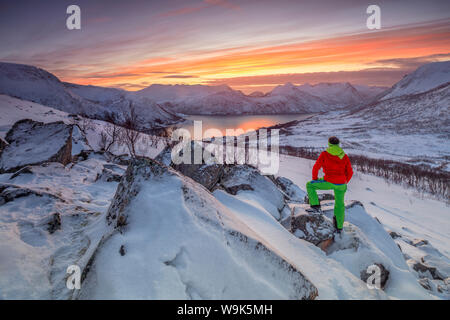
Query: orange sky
[233,65]
[249,45]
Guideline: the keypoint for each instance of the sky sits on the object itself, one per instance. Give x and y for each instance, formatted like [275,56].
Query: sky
[251,45]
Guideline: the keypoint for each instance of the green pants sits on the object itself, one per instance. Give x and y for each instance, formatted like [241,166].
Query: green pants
[339,192]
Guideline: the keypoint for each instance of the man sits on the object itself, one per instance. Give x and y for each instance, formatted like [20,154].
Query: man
[338,172]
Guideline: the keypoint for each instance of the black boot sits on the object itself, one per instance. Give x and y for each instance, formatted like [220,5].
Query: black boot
[335,225]
[315,208]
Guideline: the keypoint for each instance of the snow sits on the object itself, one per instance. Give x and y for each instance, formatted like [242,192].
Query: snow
[425,78]
[34,142]
[401,210]
[183,242]
[33,262]
[287,98]
[179,246]
[37,85]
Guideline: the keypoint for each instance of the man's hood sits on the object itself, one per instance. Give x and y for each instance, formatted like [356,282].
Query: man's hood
[335,150]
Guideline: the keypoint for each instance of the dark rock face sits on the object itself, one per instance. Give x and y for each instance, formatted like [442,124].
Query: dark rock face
[3,144]
[292,192]
[207,174]
[394,235]
[321,196]
[312,227]
[112,173]
[32,143]
[384,277]
[9,192]
[54,223]
[422,267]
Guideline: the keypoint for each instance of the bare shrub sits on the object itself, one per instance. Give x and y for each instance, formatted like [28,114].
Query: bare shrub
[131,134]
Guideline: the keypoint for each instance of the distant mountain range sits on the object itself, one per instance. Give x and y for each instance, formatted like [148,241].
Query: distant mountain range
[409,122]
[283,99]
[161,105]
[37,85]
[158,104]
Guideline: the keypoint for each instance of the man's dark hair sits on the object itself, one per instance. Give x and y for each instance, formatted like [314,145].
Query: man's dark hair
[333,140]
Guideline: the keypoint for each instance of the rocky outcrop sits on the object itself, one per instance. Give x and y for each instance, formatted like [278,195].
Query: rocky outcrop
[32,143]
[3,144]
[312,227]
[207,174]
[10,192]
[321,196]
[202,228]
[291,191]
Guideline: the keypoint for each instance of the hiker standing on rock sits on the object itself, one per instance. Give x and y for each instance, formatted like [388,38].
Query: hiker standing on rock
[338,172]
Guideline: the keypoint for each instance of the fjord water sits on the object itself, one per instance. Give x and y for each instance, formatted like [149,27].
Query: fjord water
[244,122]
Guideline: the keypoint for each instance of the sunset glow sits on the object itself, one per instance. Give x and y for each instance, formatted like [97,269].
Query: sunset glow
[187,43]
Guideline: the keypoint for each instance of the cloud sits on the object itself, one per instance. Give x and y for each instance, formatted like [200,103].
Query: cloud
[179,76]
[371,76]
[415,62]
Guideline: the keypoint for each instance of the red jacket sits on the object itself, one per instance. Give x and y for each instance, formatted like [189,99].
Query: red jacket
[336,170]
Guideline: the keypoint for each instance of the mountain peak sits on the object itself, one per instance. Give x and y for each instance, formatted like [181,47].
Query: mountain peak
[424,78]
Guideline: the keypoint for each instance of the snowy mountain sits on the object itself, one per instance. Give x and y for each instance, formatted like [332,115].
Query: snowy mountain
[37,85]
[287,98]
[389,126]
[150,229]
[342,94]
[425,78]
[177,93]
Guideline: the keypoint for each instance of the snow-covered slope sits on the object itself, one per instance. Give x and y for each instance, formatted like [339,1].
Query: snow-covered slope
[425,78]
[118,102]
[409,127]
[37,85]
[338,94]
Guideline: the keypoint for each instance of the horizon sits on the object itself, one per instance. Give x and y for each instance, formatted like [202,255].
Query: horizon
[136,44]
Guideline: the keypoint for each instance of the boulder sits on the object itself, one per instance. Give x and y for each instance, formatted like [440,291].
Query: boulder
[394,235]
[3,144]
[426,271]
[312,227]
[54,222]
[10,192]
[321,196]
[207,174]
[32,143]
[384,276]
[247,181]
[292,192]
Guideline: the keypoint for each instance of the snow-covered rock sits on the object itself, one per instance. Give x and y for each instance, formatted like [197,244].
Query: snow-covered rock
[291,191]
[207,174]
[179,242]
[248,183]
[51,218]
[32,142]
[312,227]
